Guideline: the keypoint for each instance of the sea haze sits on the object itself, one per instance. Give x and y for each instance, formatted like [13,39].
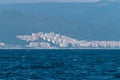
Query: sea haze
[87,21]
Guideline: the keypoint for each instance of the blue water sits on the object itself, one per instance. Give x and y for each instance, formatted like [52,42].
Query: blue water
[59,64]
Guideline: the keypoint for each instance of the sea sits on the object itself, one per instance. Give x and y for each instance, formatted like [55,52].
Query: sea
[82,64]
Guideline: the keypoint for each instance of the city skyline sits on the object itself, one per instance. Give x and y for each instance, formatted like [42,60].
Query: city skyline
[52,40]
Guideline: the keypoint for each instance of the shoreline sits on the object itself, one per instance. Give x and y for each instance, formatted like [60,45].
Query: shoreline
[67,49]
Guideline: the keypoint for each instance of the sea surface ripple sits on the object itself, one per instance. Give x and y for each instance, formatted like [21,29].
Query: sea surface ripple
[59,64]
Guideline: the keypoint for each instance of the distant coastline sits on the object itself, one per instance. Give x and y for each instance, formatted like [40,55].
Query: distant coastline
[58,48]
[52,40]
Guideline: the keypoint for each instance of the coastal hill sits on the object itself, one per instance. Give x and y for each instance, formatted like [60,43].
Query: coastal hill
[83,21]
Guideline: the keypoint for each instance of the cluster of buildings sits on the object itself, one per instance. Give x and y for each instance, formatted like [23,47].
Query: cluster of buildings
[48,40]
[99,44]
[2,45]
[52,40]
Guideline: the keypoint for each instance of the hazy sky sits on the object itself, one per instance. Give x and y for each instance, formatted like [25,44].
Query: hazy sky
[74,19]
[17,1]
[35,1]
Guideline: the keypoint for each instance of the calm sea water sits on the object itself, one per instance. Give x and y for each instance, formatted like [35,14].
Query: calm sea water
[59,64]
